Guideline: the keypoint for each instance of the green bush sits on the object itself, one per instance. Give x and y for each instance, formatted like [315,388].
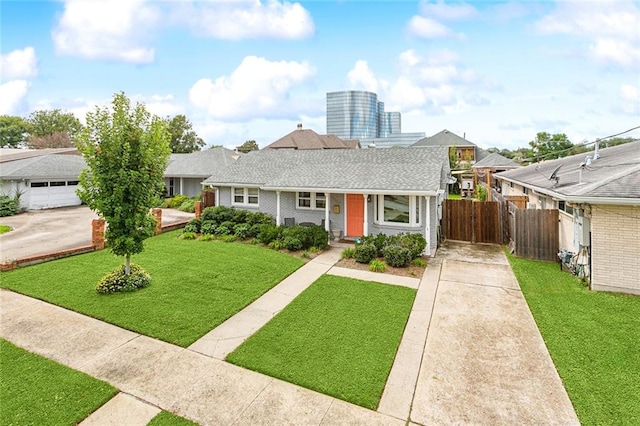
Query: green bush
[377,266]
[269,233]
[379,241]
[397,255]
[259,218]
[117,282]
[254,229]
[193,226]
[419,262]
[347,253]
[218,214]
[239,216]
[415,243]
[319,237]
[364,253]
[292,243]
[208,227]
[223,229]
[228,238]
[9,205]
[188,235]
[177,201]
[276,245]
[242,230]
[206,237]
[188,206]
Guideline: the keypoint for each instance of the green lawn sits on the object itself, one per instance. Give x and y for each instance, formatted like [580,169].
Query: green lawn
[164,418]
[454,197]
[37,391]
[339,337]
[593,338]
[195,285]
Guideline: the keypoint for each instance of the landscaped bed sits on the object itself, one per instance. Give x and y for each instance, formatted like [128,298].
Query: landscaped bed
[37,391]
[195,286]
[593,339]
[339,337]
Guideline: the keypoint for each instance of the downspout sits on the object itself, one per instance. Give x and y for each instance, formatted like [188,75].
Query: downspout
[365,225]
[327,205]
[278,221]
[427,226]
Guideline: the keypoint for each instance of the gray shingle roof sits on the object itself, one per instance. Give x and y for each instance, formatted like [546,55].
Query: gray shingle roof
[495,160]
[616,174]
[9,154]
[410,169]
[444,138]
[199,163]
[43,167]
[308,139]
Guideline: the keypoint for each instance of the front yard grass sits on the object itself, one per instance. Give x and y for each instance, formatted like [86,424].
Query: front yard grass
[593,339]
[165,418]
[37,391]
[194,288]
[339,337]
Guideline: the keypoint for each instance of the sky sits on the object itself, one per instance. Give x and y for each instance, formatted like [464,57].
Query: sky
[495,72]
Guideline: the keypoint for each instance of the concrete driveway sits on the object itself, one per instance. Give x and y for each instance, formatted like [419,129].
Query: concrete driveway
[484,360]
[38,232]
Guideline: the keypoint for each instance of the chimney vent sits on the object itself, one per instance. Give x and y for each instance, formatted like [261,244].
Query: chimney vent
[299,126]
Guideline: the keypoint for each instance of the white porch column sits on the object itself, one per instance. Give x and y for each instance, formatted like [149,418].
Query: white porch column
[427,226]
[365,225]
[327,207]
[277,208]
[181,190]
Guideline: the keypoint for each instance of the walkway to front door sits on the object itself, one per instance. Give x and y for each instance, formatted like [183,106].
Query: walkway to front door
[355,215]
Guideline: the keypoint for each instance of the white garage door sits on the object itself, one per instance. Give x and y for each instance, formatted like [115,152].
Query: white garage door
[50,194]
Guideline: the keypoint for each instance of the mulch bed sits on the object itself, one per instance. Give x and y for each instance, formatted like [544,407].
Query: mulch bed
[409,271]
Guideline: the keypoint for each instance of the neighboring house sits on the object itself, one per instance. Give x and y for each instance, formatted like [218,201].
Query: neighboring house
[353,192]
[484,170]
[467,152]
[599,203]
[308,139]
[185,172]
[45,178]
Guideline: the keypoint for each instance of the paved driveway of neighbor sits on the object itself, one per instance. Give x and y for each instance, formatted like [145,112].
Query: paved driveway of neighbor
[45,231]
[484,359]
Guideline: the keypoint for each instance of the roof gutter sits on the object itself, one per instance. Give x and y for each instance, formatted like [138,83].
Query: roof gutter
[332,190]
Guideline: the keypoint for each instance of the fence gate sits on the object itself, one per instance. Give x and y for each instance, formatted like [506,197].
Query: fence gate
[536,234]
[208,198]
[477,222]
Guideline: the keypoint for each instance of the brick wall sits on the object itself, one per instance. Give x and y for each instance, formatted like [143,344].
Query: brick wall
[615,248]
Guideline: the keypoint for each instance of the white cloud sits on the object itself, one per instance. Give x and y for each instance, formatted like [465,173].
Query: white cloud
[19,64]
[609,27]
[244,19]
[362,77]
[100,29]
[630,99]
[419,26]
[12,94]
[448,11]
[257,88]
[160,105]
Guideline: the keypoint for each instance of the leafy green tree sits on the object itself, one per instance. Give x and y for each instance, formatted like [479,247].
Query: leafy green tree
[248,146]
[13,131]
[183,138]
[127,151]
[546,146]
[47,122]
[54,140]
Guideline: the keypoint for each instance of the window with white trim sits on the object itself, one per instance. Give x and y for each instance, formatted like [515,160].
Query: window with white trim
[398,210]
[311,200]
[245,196]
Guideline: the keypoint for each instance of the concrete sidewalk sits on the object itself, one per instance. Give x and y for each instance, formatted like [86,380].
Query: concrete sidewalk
[197,387]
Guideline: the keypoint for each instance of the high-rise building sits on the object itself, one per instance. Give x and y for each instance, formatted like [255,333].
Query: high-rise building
[356,114]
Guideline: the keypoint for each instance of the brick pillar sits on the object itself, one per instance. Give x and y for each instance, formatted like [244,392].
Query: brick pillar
[97,233]
[9,265]
[198,207]
[157,214]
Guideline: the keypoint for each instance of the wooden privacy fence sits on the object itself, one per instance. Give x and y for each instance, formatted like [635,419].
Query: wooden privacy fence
[536,233]
[478,222]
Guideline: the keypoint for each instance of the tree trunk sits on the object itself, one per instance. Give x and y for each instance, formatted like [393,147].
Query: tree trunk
[127,264]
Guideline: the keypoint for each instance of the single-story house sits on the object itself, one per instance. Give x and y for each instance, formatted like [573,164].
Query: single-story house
[44,178]
[598,196]
[185,172]
[353,192]
[308,139]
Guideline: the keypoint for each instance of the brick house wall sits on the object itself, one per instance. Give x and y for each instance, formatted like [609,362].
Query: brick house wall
[615,251]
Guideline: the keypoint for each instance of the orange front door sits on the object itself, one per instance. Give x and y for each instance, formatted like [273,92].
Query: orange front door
[355,215]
